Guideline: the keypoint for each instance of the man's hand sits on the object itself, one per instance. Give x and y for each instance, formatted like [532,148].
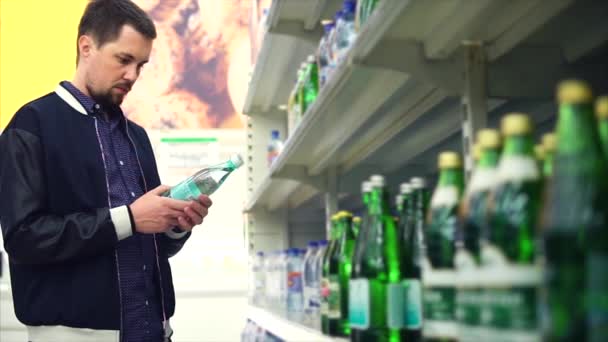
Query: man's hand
[195,213]
[153,213]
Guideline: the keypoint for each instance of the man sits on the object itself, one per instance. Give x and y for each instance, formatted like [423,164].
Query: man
[85,226]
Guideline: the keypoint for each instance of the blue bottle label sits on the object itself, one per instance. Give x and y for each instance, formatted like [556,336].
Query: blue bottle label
[358,304]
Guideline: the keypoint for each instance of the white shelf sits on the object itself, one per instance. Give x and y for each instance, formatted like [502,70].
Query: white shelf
[285,329]
[406,64]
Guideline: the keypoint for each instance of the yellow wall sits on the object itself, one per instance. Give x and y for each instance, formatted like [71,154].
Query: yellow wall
[37,49]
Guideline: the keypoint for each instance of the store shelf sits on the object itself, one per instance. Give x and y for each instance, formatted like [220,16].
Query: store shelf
[292,33]
[287,330]
[397,94]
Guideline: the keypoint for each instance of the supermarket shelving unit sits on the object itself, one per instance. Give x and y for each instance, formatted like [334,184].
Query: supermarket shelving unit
[422,76]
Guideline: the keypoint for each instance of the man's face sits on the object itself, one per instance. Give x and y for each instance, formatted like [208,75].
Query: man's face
[112,69]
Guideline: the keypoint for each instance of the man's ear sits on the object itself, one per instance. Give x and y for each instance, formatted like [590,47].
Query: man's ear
[86,45]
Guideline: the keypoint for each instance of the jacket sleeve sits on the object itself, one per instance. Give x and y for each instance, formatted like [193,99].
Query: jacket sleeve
[33,235]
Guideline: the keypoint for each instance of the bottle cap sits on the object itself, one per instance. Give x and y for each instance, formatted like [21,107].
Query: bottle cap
[345,213]
[311,59]
[601,107]
[275,134]
[405,188]
[449,160]
[549,142]
[322,242]
[236,160]
[313,244]
[515,124]
[573,91]
[418,183]
[476,151]
[488,138]
[539,152]
[377,181]
[356,219]
[366,186]
[260,253]
[398,200]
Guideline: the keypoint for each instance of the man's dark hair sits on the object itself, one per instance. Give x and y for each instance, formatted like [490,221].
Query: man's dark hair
[103,20]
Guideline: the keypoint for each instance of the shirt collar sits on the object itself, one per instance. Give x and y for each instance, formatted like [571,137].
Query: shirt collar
[90,105]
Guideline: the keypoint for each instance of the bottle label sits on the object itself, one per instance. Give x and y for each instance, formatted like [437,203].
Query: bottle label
[413,303]
[324,296]
[395,305]
[294,282]
[359,303]
[439,303]
[334,298]
[185,191]
[508,300]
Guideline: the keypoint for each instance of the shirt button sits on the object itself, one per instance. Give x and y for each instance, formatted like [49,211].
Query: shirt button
[145,268]
[147,303]
[121,163]
[97,106]
[132,194]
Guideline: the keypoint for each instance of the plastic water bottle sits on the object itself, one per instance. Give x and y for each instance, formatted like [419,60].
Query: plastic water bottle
[295,300]
[332,45]
[282,282]
[205,181]
[259,279]
[309,281]
[274,147]
[323,53]
[316,302]
[269,276]
[346,33]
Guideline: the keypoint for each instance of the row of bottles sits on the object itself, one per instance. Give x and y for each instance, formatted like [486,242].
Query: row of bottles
[517,254]
[339,36]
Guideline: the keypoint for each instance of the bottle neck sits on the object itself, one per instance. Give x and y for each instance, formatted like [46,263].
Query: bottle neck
[519,145]
[378,202]
[405,202]
[603,132]
[489,158]
[548,165]
[452,177]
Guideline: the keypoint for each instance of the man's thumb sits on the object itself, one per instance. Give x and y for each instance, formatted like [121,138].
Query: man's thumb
[159,190]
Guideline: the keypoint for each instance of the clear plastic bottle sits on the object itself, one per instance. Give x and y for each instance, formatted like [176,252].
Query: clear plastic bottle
[274,147]
[269,276]
[310,281]
[323,53]
[332,45]
[316,300]
[259,280]
[346,34]
[282,282]
[295,296]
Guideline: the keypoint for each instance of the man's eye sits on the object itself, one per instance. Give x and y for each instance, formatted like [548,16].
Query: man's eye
[123,61]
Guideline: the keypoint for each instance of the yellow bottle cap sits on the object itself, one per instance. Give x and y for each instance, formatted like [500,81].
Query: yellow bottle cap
[549,142]
[601,107]
[573,91]
[539,152]
[515,124]
[449,159]
[357,219]
[488,138]
[345,213]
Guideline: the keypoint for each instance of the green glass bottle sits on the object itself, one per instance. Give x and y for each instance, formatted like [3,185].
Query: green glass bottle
[438,272]
[509,258]
[549,145]
[472,230]
[601,110]
[574,222]
[329,277]
[360,244]
[539,155]
[205,181]
[356,228]
[311,83]
[372,307]
[344,250]
[410,236]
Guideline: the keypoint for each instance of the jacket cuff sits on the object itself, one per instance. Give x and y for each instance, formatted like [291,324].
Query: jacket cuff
[176,233]
[122,222]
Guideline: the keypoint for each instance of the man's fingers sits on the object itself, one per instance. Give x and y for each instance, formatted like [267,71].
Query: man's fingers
[176,204]
[194,216]
[159,190]
[205,200]
[184,224]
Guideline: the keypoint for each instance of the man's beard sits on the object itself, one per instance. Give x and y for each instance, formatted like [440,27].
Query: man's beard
[106,98]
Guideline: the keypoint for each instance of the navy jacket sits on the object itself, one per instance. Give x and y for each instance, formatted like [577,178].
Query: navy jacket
[58,230]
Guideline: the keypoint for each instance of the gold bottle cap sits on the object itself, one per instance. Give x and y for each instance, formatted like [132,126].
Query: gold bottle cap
[488,138]
[356,219]
[601,107]
[573,91]
[449,159]
[539,152]
[515,124]
[345,213]
[549,142]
